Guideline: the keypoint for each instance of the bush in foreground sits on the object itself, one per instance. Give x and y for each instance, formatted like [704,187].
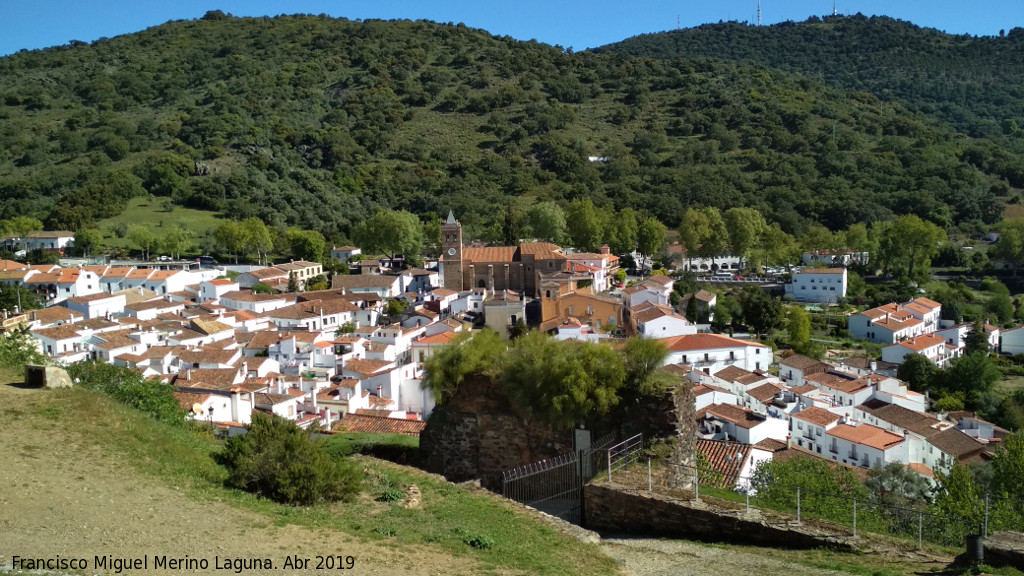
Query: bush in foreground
[280,461]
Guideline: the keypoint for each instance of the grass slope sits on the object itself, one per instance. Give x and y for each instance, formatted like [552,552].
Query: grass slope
[447,518]
[150,212]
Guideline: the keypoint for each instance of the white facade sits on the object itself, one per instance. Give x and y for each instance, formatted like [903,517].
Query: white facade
[826,285]
[931,346]
[98,305]
[714,352]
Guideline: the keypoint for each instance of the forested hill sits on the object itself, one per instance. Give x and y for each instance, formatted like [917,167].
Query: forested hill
[315,122]
[977,83]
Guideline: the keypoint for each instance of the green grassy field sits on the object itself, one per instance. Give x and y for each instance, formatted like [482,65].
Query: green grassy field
[150,212]
[450,519]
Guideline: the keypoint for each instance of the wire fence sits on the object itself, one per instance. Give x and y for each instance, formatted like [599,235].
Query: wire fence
[775,503]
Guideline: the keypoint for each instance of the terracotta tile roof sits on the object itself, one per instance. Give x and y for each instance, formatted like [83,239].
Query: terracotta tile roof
[9,265]
[270,399]
[62,332]
[54,314]
[731,373]
[187,399]
[438,339]
[117,272]
[161,275]
[823,271]
[376,425]
[443,292]
[159,304]
[842,382]
[866,435]
[817,416]
[927,303]
[802,363]
[366,367]
[375,400]
[770,445]
[922,342]
[681,369]
[921,469]
[725,458]
[742,417]
[765,393]
[296,265]
[916,422]
[113,340]
[268,273]
[956,443]
[216,379]
[139,273]
[705,342]
[208,356]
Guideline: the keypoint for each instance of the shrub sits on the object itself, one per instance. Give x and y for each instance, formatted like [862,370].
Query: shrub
[128,387]
[19,348]
[478,541]
[280,461]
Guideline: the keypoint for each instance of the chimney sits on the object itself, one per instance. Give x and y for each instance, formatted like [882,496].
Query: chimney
[313,393]
[605,249]
[188,375]
[245,368]
[327,419]
[234,405]
[379,388]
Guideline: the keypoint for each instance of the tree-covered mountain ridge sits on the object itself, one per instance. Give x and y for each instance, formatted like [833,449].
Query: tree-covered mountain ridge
[316,122]
[976,83]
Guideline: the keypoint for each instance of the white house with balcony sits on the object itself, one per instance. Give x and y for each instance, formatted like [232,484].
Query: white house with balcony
[858,444]
[824,285]
[931,346]
[655,321]
[809,426]
[713,352]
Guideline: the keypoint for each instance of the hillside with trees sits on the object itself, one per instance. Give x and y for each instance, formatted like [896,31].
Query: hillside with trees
[316,123]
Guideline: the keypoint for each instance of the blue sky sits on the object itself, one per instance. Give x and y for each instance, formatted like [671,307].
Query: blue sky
[40,23]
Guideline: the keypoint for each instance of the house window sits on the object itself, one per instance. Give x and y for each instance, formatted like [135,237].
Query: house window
[706,357]
[590,310]
[684,358]
[571,311]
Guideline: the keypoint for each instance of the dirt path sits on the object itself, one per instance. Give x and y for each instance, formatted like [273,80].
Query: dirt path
[61,497]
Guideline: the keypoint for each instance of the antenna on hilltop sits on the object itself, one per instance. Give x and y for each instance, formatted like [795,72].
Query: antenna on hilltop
[679,25]
[758,12]
[834,8]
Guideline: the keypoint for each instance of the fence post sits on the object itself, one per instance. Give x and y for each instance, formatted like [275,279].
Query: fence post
[696,485]
[854,517]
[797,504]
[985,529]
[920,530]
[748,500]
[650,487]
[609,466]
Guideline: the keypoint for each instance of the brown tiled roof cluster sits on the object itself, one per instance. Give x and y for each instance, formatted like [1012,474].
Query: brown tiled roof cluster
[377,425]
[817,416]
[725,458]
[866,435]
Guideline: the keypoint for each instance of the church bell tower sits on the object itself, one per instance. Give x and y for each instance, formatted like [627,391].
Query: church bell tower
[451,248]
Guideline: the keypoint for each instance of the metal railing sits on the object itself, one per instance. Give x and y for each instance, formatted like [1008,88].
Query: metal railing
[776,503]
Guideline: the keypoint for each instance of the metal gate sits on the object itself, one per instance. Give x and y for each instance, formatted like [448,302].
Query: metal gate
[555,485]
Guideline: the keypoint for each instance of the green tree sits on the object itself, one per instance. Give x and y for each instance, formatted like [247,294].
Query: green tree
[745,227]
[517,330]
[643,358]
[470,355]
[19,347]
[798,328]
[761,311]
[1010,245]
[308,245]
[976,339]
[258,239]
[279,461]
[958,495]
[392,233]
[144,238]
[817,238]
[22,226]
[650,237]
[625,228]
[587,230]
[150,396]
[917,371]
[896,485]
[974,373]
[230,237]
[1008,465]
[907,244]
[1001,305]
[703,233]
[345,329]
[293,284]
[88,241]
[176,239]
[562,382]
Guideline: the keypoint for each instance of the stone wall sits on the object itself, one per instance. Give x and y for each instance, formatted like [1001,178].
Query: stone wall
[640,513]
[477,434]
